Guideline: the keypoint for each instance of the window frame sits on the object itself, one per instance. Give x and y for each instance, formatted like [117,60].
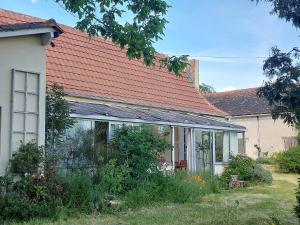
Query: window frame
[25,112]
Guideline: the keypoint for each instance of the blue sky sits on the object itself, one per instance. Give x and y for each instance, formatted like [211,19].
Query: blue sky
[205,27]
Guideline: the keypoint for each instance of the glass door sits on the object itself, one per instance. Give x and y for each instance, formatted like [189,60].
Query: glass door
[203,150]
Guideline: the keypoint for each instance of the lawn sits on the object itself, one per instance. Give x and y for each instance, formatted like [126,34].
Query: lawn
[252,205]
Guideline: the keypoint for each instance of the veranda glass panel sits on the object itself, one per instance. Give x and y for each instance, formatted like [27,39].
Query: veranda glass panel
[241,143]
[203,150]
[223,146]
[84,145]
[163,132]
[234,143]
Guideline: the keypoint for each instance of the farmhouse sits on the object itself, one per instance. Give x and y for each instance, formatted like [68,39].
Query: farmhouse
[263,135]
[105,89]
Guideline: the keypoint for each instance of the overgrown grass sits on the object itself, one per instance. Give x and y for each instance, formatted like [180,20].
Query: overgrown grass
[252,205]
[181,187]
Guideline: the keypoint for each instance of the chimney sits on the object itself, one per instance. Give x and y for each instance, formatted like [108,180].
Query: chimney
[194,72]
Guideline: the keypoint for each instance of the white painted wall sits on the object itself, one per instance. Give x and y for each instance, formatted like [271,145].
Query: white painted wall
[264,131]
[219,168]
[24,53]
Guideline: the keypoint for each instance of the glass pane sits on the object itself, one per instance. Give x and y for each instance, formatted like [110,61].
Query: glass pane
[30,138]
[101,138]
[32,83]
[77,148]
[19,102]
[19,81]
[17,138]
[241,143]
[31,123]
[180,144]
[112,128]
[234,143]
[32,103]
[226,146]
[163,132]
[219,146]
[18,122]
[203,148]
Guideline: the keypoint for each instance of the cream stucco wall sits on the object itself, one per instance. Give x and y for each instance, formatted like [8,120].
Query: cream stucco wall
[265,132]
[23,53]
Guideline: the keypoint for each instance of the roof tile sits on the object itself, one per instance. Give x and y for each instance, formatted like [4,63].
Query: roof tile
[240,102]
[94,67]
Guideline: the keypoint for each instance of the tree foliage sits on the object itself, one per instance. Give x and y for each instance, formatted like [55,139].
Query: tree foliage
[137,34]
[285,9]
[205,88]
[282,90]
[58,118]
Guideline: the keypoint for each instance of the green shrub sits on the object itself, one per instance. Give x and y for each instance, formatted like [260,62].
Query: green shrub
[264,160]
[27,159]
[239,165]
[288,161]
[140,149]
[14,206]
[297,208]
[112,177]
[262,175]
[247,170]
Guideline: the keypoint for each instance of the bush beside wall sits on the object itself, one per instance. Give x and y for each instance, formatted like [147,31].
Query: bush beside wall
[264,160]
[247,170]
[288,161]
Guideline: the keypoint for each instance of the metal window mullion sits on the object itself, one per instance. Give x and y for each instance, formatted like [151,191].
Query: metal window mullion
[12,110]
[213,151]
[23,112]
[38,106]
[22,132]
[25,105]
[173,146]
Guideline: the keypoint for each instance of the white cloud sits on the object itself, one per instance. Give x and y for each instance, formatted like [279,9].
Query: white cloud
[230,88]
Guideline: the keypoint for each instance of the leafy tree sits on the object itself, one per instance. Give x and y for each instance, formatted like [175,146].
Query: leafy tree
[205,89]
[282,90]
[137,35]
[58,118]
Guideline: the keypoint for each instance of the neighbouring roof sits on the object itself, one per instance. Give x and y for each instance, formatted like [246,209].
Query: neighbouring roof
[240,102]
[148,115]
[31,25]
[96,68]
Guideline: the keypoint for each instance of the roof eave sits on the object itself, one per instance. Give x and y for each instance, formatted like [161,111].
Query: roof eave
[48,30]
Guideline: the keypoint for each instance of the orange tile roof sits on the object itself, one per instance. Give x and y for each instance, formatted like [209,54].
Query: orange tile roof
[96,68]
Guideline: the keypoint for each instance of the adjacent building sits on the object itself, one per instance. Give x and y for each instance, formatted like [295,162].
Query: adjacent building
[263,135]
[105,90]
